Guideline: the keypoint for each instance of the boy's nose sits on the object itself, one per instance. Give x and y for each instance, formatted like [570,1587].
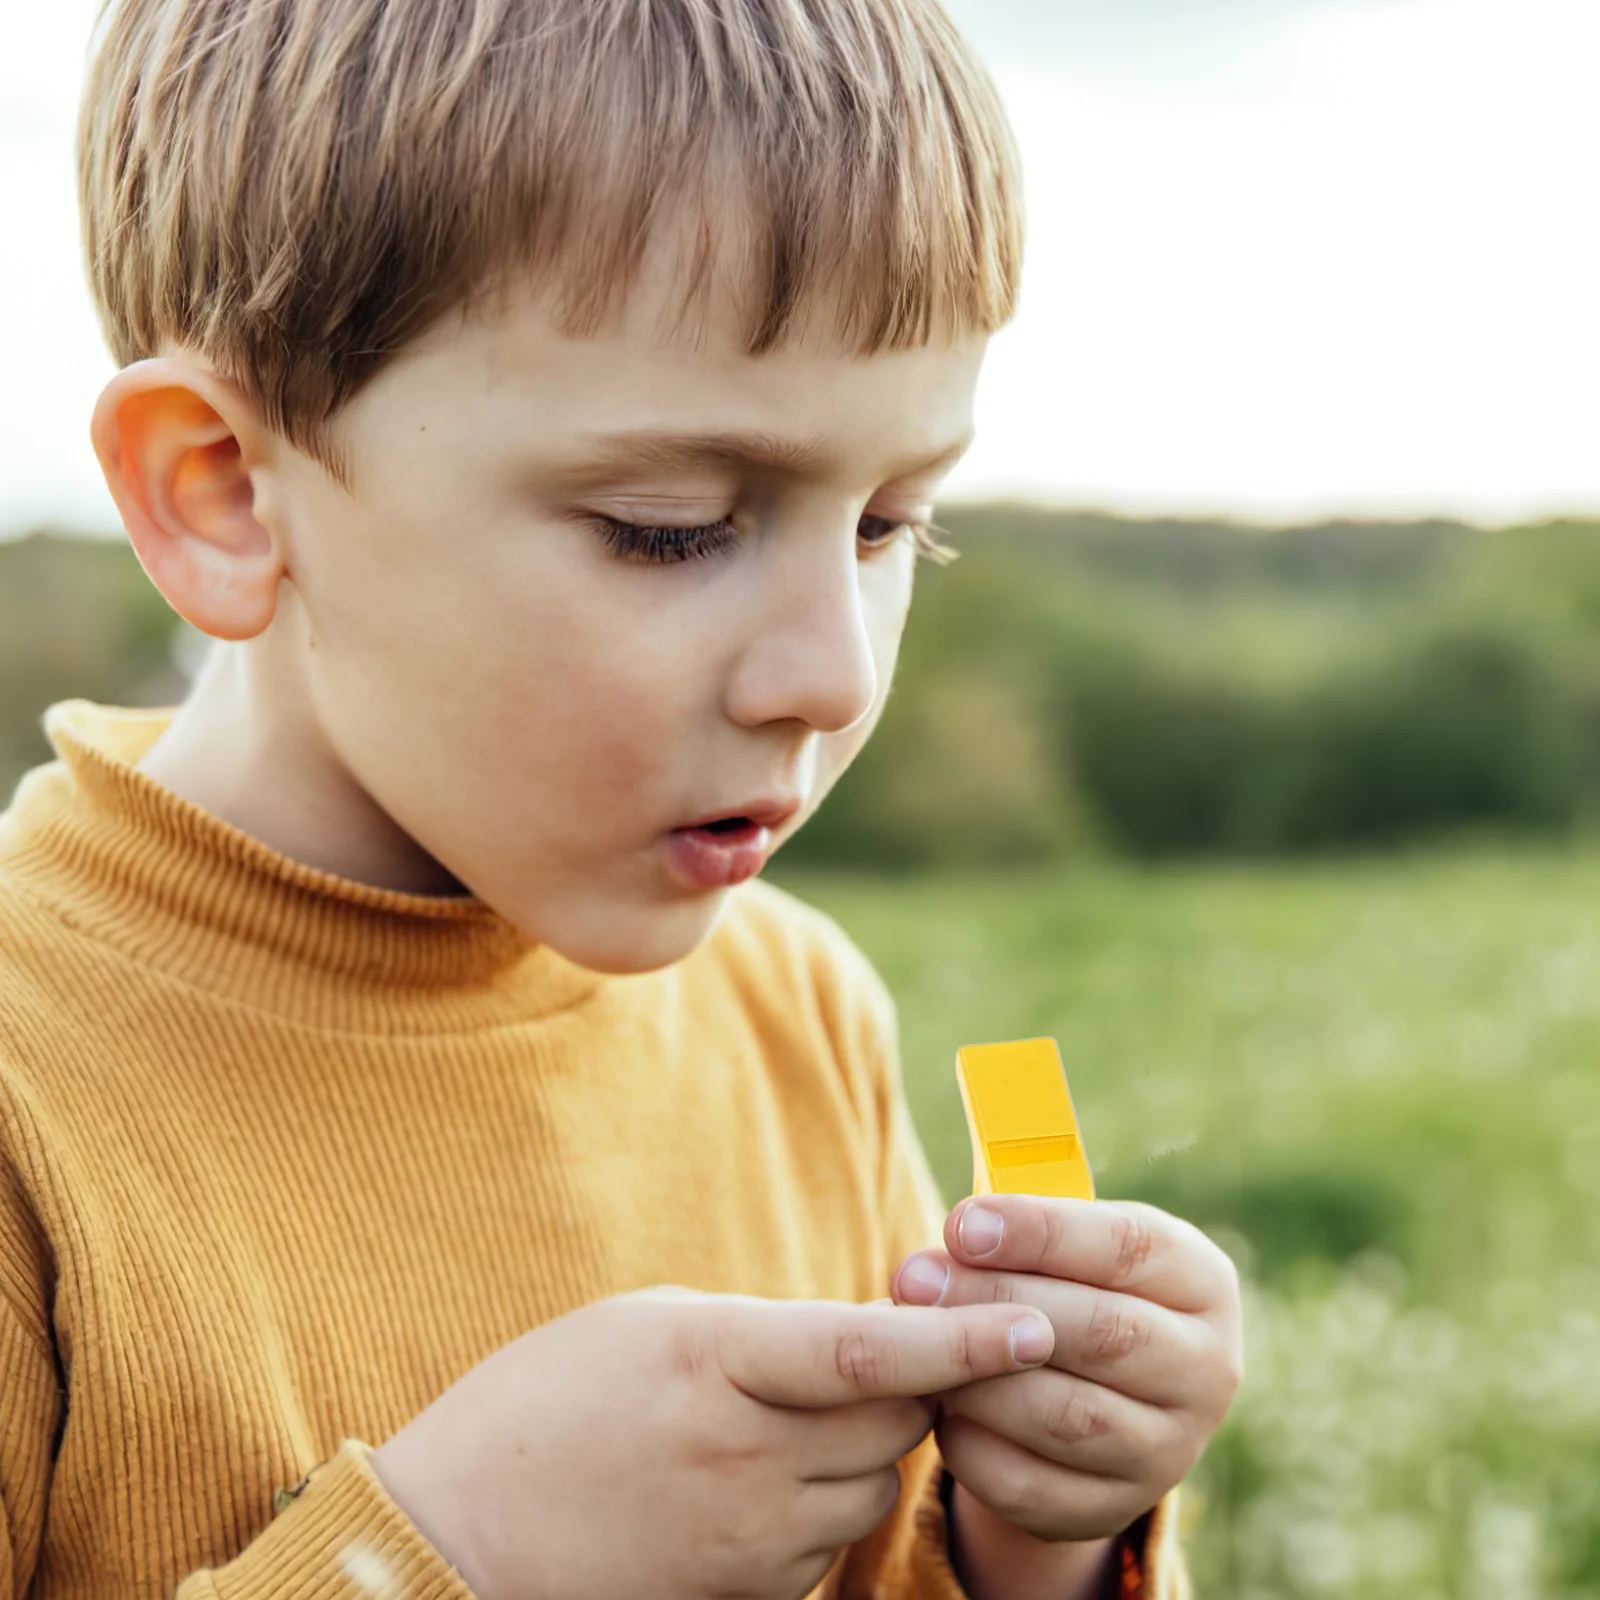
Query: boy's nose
[810,658]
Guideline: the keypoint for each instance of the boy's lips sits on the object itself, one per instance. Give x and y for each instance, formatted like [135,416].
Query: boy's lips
[770,812]
[702,857]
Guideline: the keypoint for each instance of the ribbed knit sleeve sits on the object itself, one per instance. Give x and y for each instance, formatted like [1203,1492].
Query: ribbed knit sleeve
[909,1556]
[340,1538]
[30,1397]
[28,1406]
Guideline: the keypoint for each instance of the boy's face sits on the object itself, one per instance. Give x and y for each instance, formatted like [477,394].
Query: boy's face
[539,711]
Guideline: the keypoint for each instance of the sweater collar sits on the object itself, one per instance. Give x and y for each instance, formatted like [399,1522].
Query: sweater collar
[126,860]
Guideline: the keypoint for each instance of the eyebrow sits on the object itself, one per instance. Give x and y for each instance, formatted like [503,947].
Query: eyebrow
[660,449]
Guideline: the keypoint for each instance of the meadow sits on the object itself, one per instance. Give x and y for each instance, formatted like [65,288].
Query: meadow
[1377,1083]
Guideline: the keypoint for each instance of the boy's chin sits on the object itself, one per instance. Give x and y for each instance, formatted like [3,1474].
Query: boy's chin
[623,941]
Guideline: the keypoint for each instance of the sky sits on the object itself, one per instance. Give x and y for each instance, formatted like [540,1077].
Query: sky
[1286,259]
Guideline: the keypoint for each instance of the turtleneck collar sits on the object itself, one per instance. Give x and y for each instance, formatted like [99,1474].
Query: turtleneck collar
[127,861]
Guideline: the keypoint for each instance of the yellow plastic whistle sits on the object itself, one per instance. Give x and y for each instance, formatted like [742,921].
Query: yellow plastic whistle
[1025,1137]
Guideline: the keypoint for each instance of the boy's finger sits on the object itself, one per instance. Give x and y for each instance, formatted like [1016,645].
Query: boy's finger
[1074,1423]
[1115,1244]
[812,1354]
[850,1441]
[1048,1499]
[1131,1345]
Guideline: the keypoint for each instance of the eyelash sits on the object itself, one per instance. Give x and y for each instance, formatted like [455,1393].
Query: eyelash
[652,545]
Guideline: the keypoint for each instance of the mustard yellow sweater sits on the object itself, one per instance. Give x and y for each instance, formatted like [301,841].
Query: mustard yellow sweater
[282,1156]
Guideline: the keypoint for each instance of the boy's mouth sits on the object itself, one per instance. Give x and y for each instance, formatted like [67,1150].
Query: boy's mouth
[719,852]
[763,813]
[726,826]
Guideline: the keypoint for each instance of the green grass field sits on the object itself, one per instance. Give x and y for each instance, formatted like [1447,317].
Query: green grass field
[1378,1085]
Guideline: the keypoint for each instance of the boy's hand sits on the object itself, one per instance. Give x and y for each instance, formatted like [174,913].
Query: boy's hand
[1148,1356]
[682,1445]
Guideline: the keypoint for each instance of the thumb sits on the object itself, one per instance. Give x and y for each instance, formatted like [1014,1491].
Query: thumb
[819,1353]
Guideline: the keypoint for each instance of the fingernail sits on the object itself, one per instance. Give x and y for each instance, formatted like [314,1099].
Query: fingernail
[979,1230]
[1031,1341]
[923,1279]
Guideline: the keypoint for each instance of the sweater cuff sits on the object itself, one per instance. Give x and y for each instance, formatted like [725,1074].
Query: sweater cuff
[929,1572]
[341,1537]
[1153,1567]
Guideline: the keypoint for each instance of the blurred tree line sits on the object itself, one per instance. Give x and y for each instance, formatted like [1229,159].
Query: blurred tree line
[78,617]
[1169,688]
[1079,682]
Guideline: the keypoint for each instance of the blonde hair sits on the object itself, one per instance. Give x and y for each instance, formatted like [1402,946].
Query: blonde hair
[297,188]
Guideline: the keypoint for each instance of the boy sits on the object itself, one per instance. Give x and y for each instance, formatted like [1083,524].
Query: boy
[541,401]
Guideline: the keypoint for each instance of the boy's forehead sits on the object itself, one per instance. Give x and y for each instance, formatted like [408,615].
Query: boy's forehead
[653,389]
[663,448]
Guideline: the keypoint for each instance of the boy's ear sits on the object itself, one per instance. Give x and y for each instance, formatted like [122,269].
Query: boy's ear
[177,444]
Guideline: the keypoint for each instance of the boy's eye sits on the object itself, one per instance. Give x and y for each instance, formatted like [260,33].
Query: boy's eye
[639,542]
[642,542]
[878,532]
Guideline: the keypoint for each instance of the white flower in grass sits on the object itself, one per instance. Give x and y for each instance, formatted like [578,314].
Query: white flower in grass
[1322,1556]
[1505,1553]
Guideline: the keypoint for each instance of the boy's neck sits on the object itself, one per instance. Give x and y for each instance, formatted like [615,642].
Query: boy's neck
[247,747]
